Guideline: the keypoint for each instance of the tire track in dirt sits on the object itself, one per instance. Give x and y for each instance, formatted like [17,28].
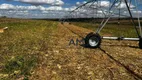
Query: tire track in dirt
[80,31]
[136,75]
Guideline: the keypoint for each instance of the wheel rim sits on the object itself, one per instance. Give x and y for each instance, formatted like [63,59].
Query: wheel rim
[93,41]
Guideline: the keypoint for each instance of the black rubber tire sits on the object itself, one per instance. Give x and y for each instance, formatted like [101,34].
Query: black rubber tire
[140,43]
[96,37]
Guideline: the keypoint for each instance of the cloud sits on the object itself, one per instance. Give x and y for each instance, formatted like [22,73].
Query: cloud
[56,8]
[7,6]
[17,11]
[12,7]
[104,3]
[53,11]
[78,3]
[42,2]
[123,5]
[94,4]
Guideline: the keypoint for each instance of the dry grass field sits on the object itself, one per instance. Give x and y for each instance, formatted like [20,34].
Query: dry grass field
[40,50]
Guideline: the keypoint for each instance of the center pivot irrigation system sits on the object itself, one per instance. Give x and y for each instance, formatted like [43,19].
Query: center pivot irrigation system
[93,39]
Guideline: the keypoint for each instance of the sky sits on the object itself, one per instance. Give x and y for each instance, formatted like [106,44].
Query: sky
[62,8]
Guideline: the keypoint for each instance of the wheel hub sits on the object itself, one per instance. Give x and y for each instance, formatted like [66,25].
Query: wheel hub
[93,41]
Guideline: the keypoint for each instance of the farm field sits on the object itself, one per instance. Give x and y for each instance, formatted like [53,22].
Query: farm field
[122,28]
[40,50]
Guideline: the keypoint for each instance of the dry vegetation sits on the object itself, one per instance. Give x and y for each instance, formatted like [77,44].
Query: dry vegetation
[22,45]
[39,50]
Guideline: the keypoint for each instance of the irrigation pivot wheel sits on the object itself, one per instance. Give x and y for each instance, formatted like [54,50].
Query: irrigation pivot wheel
[93,40]
[140,43]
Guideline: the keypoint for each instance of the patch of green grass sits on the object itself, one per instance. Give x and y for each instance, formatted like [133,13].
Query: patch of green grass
[125,29]
[22,46]
[20,65]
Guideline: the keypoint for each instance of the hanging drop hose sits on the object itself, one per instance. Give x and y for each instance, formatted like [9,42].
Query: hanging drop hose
[128,7]
[119,12]
[119,16]
[139,23]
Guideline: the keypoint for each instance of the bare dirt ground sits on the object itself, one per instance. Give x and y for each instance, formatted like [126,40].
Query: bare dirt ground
[115,60]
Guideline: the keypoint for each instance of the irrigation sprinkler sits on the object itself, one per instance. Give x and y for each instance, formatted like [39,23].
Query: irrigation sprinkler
[93,39]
